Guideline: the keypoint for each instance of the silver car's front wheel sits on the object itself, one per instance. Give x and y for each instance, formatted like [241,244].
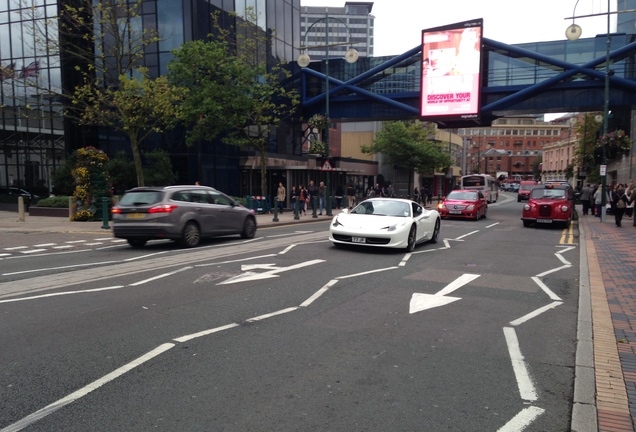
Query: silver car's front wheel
[249,228]
[191,235]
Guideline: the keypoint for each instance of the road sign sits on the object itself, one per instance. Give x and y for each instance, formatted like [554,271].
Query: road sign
[327,166]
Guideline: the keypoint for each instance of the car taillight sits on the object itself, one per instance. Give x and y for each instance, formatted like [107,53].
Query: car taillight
[115,210]
[166,208]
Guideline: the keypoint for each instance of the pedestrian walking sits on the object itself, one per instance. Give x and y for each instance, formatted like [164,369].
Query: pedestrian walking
[321,196]
[293,199]
[619,201]
[586,191]
[351,196]
[313,194]
[281,195]
[339,195]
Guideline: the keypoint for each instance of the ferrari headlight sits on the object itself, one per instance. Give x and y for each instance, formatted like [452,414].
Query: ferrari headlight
[336,222]
[394,226]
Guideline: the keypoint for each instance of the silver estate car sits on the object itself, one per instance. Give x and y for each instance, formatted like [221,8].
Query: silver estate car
[183,213]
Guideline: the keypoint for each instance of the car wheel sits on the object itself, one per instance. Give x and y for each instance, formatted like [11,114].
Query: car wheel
[435,236]
[191,235]
[136,243]
[477,214]
[526,223]
[411,239]
[485,211]
[249,228]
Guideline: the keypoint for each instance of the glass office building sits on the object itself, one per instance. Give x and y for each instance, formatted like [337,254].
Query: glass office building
[35,136]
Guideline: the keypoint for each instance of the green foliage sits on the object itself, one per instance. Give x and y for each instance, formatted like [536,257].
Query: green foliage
[121,170]
[407,144]
[231,91]
[91,181]
[58,201]
[159,168]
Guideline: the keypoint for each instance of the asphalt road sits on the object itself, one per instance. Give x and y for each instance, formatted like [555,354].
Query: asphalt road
[287,332]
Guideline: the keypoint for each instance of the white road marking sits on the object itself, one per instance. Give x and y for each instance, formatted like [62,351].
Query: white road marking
[319,293]
[75,241]
[492,225]
[44,245]
[524,382]
[420,302]
[466,235]
[522,420]
[250,276]
[405,260]
[62,247]
[269,315]
[31,251]
[545,289]
[205,333]
[30,419]
[144,256]
[233,261]
[59,268]
[161,276]
[15,248]
[535,313]
[62,294]
[366,272]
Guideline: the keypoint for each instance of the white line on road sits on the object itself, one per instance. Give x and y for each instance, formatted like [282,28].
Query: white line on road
[205,333]
[522,420]
[44,245]
[59,268]
[545,289]
[319,293]
[62,293]
[367,272]
[154,278]
[404,260]
[524,381]
[32,251]
[466,235]
[30,419]
[269,315]
[15,248]
[492,225]
[535,313]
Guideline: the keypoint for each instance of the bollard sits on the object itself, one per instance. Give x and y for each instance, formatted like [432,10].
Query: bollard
[314,201]
[20,209]
[296,209]
[105,213]
[275,213]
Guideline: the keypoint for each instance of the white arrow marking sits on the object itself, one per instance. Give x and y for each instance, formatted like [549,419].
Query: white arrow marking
[420,302]
[247,276]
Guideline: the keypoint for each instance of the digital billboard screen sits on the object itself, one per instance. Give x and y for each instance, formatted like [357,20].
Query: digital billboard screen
[451,71]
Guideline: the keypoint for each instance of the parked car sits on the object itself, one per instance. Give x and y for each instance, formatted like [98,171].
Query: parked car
[15,192]
[549,204]
[524,190]
[468,204]
[385,222]
[183,213]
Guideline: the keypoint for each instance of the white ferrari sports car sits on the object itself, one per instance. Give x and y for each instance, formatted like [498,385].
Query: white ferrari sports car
[385,222]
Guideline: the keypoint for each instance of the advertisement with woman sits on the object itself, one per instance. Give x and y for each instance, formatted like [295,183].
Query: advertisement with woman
[451,70]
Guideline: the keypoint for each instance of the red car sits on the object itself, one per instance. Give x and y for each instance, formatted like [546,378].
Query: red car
[549,204]
[467,204]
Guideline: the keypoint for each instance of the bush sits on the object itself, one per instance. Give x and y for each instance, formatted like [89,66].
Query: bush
[54,201]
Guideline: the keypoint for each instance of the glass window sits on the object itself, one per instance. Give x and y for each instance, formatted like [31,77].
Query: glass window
[170,18]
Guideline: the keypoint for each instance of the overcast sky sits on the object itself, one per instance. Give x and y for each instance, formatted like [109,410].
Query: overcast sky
[399,23]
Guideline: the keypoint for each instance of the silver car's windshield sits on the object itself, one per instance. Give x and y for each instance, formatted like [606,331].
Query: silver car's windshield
[383,208]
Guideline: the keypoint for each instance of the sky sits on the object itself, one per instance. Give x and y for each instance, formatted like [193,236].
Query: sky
[399,23]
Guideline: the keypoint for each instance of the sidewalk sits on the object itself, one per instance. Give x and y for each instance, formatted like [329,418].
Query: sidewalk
[611,262]
[10,222]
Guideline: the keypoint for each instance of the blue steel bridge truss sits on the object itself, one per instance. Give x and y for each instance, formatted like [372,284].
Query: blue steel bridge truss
[561,76]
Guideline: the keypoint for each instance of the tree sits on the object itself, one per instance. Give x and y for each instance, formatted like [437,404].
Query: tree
[105,42]
[137,107]
[407,144]
[232,93]
[587,134]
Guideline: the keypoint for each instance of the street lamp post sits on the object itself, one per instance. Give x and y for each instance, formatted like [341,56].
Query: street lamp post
[351,56]
[573,32]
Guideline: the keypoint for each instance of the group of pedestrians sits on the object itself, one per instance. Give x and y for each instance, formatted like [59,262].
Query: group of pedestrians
[619,201]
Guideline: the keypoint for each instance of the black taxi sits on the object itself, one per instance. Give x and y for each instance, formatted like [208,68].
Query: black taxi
[549,204]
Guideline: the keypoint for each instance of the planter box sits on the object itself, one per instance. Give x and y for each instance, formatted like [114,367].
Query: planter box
[48,211]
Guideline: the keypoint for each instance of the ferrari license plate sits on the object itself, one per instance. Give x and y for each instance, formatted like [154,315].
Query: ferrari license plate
[358,240]
[544,220]
[135,216]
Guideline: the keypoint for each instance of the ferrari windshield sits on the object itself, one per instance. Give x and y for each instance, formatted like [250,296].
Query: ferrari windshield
[383,208]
